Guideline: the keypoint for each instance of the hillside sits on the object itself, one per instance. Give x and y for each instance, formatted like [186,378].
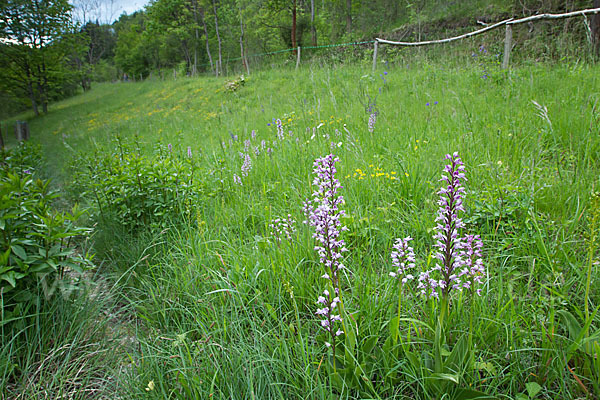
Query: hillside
[207,283]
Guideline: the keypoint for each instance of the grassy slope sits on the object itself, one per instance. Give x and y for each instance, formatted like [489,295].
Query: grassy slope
[251,340]
[488,120]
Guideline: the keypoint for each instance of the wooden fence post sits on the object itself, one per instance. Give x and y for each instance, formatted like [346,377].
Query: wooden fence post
[21,131]
[298,58]
[375,56]
[507,46]
[1,139]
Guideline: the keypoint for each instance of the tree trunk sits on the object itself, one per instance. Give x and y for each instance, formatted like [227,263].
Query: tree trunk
[42,86]
[32,98]
[206,37]
[219,68]
[313,29]
[244,60]
[595,27]
[348,16]
[29,84]
[195,66]
[294,44]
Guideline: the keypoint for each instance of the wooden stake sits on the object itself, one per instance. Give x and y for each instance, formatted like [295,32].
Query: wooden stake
[375,55]
[507,46]
[298,58]
[21,131]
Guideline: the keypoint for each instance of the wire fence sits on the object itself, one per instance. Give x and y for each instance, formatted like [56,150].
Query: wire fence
[508,40]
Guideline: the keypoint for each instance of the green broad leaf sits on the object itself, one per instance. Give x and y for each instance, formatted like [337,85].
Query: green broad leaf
[11,277]
[19,251]
[571,323]
[4,257]
[388,345]
[414,359]
[350,339]
[456,361]
[42,268]
[521,396]
[446,377]
[337,381]
[444,352]
[392,326]
[471,394]
[368,345]
[533,388]
[271,311]
[485,366]
[8,277]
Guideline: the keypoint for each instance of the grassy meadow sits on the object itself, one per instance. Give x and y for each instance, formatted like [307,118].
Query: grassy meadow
[194,297]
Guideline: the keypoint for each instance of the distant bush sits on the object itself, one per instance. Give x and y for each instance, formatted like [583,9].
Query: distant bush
[235,84]
[37,243]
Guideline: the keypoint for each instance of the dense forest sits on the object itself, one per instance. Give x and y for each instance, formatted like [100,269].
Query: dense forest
[53,49]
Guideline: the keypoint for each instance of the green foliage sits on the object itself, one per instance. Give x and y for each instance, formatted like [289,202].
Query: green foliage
[37,243]
[140,192]
[36,42]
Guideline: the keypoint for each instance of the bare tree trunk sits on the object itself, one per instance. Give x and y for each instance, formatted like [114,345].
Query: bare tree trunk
[206,37]
[244,59]
[348,16]
[294,44]
[32,97]
[42,85]
[595,27]
[195,66]
[219,69]
[313,29]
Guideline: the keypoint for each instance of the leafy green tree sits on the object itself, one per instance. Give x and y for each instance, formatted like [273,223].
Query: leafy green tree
[135,53]
[34,50]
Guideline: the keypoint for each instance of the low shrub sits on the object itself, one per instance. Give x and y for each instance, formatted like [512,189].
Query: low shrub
[139,192]
[37,243]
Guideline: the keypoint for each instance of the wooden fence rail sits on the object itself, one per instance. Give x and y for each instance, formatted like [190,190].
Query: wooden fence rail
[508,37]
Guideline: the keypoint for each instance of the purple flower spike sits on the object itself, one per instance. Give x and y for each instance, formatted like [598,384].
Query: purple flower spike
[372,121]
[280,134]
[403,259]
[170,147]
[189,152]
[283,228]
[447,240]
[448,222]
[323,214]
[247,165]
[473,271]
[237,180]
